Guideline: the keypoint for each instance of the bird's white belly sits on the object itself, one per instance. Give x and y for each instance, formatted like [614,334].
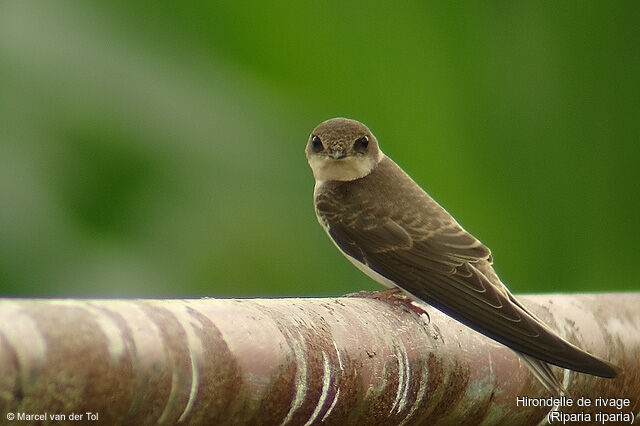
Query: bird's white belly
[368,271]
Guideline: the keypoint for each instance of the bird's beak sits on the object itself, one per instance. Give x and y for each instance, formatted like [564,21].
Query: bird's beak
[337,154]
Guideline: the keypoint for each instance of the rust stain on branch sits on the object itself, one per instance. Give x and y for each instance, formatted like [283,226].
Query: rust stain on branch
[295,361]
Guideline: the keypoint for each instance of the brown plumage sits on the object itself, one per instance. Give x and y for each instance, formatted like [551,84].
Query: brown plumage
[383,221]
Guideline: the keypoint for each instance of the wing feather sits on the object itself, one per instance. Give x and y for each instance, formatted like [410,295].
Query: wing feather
[423,250]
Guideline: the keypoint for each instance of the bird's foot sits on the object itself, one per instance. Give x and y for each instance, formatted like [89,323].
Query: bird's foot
[393,296]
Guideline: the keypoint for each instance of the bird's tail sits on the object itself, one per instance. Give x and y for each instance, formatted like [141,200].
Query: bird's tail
[543,373]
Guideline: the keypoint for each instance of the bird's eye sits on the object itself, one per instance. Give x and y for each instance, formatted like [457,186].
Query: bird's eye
[316,144]
[361,144]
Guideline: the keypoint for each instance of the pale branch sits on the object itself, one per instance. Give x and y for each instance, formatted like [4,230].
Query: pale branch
[349,360]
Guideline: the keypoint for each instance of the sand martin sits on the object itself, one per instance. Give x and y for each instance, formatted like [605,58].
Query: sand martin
[394,232]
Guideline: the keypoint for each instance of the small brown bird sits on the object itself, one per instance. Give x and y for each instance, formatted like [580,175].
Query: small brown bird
[394,232]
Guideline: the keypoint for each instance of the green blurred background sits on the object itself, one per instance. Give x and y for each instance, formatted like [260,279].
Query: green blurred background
[156,148]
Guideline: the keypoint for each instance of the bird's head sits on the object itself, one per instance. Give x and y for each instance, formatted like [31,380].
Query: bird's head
[342,149]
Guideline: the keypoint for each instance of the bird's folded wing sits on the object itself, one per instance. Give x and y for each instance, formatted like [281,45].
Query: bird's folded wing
[442,265]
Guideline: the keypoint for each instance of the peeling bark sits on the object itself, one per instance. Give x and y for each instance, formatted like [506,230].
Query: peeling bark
[335,361]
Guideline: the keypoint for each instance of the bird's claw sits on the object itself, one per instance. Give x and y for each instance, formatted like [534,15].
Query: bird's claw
[394,296]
